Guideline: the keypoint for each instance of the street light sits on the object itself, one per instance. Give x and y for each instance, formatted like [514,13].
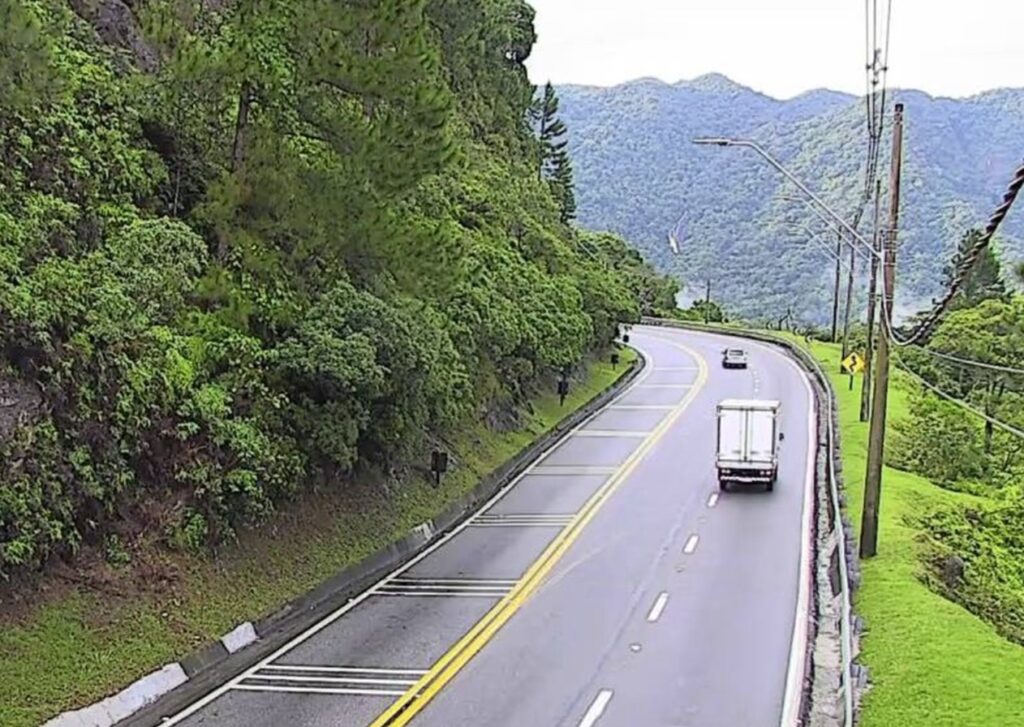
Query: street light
[834,227]
[791,177]
[816,238]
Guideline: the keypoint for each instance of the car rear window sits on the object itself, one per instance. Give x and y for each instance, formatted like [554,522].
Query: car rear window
[735,352]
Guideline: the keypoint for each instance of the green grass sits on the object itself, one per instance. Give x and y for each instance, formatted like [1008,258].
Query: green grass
[79,646]
[932,663]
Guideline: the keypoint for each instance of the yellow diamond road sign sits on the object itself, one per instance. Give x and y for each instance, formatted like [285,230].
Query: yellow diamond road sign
[853,363]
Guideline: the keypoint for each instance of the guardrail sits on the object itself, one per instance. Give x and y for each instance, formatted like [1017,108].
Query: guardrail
[847,685]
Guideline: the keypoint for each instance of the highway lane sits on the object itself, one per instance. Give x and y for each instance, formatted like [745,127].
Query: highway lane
[611,585]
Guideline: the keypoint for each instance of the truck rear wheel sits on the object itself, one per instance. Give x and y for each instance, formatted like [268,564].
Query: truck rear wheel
[722,485]
[771,485]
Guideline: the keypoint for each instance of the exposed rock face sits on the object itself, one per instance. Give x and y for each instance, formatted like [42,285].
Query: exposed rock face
[115,23]
[20,403]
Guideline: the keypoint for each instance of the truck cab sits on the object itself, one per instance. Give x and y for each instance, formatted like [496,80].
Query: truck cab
[748,442]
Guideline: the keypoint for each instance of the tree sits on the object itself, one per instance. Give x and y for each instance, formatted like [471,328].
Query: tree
[983,282]
[554,164]
[551,131]
[26,54]
[991,332]
[563,188]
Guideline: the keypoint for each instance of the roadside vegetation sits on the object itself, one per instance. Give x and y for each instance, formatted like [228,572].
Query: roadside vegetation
[256,262]
[80,644]
[944,598]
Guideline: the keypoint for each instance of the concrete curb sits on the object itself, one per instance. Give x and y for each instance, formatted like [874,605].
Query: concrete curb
[825,683]
[149,700]
[126,702]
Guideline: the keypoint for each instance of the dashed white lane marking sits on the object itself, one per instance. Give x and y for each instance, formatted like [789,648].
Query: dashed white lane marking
[713,499]
[597,708]
[691,544]
[658,607]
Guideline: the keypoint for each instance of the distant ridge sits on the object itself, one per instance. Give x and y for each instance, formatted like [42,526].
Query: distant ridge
[638,173]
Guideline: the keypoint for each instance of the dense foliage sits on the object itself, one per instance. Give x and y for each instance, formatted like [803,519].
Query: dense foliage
[975,556]
[973,552]
[638,173]
[265,244]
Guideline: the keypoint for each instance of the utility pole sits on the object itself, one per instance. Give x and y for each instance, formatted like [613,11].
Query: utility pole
[849,300]
[707,301]
[876,435]
[835,296]
[876,240]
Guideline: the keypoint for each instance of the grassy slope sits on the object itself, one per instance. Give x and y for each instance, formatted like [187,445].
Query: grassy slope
[82,646]
[932,663]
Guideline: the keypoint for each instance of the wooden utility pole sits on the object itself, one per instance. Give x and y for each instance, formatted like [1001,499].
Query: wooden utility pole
[849,299]
[707,301]
[876,246]
[835,295]
[876,436]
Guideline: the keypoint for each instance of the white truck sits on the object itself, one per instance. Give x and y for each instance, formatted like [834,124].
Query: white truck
[748,442]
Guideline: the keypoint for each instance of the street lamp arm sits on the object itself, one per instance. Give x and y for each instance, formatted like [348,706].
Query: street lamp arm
[791,177]
[831,225]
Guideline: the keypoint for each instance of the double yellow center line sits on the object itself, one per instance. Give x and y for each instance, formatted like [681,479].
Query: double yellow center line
[444,669]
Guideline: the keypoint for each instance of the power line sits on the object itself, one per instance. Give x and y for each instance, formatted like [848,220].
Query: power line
[959,402]
[964,267]
[968,362]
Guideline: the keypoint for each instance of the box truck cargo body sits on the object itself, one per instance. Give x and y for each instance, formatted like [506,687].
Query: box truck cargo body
[748,442]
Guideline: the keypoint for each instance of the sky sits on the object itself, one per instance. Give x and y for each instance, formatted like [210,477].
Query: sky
[779,47]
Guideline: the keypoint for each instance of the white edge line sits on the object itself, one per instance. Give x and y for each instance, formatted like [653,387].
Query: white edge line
[337,614]
[316,690]
[691,544]
[658,607]
[798,643]
[597,708]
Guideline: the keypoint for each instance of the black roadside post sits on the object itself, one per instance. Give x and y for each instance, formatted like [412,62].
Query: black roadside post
[563,385]
[438,465]
[615,360]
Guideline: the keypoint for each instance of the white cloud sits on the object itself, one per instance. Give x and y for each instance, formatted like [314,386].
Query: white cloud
[780,47]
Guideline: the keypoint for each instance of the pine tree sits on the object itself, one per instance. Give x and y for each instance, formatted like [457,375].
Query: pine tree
[983,282]
[563,187]
[554,164]
[550,132]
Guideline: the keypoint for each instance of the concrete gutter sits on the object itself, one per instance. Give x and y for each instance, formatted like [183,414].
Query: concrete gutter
[146,702]
[834,681]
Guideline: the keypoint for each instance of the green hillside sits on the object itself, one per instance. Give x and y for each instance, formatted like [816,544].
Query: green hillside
[247,250]
[639,174]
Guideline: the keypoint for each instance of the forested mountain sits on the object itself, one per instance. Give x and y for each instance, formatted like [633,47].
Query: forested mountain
[247,248]
[638,174]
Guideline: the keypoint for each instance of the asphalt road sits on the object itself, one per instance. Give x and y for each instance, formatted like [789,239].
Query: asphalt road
[612,585]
